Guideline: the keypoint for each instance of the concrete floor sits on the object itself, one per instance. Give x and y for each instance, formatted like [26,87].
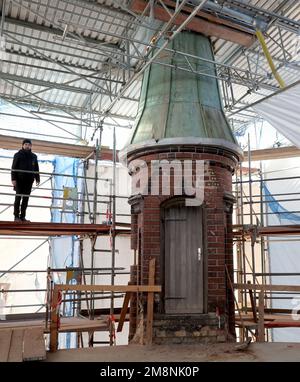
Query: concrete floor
[256,352]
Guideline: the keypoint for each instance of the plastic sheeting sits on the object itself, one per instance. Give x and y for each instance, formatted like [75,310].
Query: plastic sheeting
[282,112]
[64,250]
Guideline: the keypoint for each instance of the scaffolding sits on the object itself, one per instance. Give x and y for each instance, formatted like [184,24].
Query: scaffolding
[84,204]
[252,232]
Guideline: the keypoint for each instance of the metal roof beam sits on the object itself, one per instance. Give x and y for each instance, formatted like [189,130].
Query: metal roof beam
[59,45]
[261,11]
[38,51]
[235,54]
[93,75]
[53,85]
[236,74]
[112,12]
[31,56]
[62,107]
[56,32]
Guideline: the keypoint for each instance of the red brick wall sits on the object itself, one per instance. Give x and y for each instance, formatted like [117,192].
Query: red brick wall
[218,227]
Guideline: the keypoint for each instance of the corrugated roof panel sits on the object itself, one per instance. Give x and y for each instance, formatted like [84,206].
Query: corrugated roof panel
[104,24]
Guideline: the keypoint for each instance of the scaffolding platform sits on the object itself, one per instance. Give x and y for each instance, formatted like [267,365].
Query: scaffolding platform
[67,324]
[24,340]
[282,230]
[59,229]
[270,321]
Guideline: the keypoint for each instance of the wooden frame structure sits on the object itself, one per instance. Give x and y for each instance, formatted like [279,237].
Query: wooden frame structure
[266,321]
[58,288]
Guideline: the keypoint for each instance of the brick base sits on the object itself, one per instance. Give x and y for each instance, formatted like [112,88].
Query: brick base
[203,328]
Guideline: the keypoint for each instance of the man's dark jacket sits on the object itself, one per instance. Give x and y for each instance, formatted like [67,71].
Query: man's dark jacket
[25,160]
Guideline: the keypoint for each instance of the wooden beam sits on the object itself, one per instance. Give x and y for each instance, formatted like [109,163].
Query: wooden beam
[150,303]
[209,16]
[54,324]
[284,288]
[16,346]
[261,320]
[55,148]
[124,311]
[273,153]
[267,231]
[110,288]
[5,341]
[253,304]
[34,344]
[57,229]
[198,24]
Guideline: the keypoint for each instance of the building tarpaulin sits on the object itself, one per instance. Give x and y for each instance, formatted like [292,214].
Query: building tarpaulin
[64,250]
[281,110]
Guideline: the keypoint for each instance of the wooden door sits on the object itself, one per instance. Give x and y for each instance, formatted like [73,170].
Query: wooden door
[183,255]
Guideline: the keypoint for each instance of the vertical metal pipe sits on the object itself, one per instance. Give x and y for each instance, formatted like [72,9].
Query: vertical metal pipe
[243,242]
[113,227]
[238,243]
[96,180]
[2,17]
[250,180]
[251,214]
[262,242]
[94,239]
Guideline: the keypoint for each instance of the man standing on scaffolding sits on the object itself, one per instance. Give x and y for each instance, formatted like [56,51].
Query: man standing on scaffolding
[22,181]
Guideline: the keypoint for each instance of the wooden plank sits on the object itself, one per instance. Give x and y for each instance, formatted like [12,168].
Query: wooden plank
[68,324]
[273,153]
[150,303]
[286,288]
[111,288]
[54,321]
[16,346]
[5,340]
[124,311]
[55,148]
[56,229]
[267,231]
[73,324]
[198,24]
[209,16]
[283,324]
[21,324]
[34,345]
[253,305]
[261,323]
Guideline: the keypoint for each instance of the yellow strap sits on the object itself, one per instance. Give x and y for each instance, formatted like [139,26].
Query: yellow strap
[265,49]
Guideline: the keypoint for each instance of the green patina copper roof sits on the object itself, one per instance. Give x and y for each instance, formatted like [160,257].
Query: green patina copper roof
[175,103]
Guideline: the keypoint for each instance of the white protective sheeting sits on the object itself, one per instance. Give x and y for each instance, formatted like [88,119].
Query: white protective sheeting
[282,112]
[284,250]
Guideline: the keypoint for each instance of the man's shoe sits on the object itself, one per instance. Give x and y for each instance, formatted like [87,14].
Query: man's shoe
[18,219]
[24,220]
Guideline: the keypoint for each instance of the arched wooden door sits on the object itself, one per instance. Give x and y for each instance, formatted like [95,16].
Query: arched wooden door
[183,259]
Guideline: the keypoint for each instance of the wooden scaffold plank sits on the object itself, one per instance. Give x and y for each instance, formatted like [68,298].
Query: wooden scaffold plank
[16,346]
[5,340]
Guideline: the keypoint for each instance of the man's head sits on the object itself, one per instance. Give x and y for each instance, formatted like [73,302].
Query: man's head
[26,144]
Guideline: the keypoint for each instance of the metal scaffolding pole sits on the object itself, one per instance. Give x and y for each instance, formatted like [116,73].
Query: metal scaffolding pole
[243,240]
[113,237]
[251,213]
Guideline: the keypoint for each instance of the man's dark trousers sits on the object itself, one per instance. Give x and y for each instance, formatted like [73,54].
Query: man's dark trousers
[25,189]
